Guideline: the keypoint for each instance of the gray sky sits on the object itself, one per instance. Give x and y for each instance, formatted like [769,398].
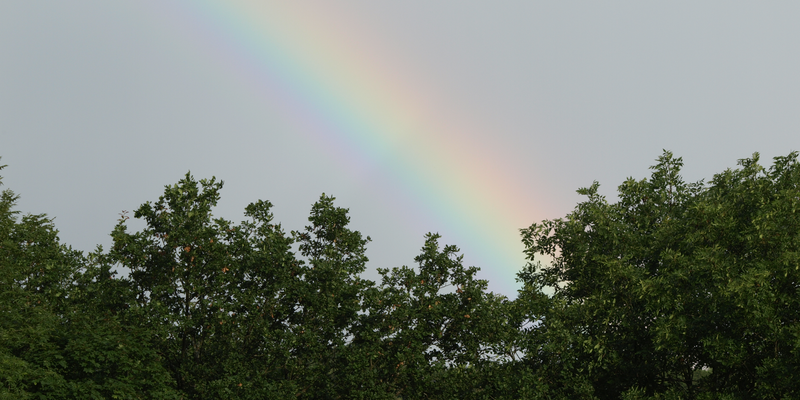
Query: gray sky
[104,103]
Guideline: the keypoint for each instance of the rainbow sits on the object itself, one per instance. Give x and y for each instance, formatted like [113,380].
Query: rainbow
[352,102]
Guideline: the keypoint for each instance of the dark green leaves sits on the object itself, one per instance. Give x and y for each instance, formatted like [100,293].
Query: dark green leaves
[674,291]
[677,288]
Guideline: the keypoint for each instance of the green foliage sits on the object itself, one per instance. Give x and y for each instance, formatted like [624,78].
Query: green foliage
[675,291]
[209,292]
[235,314]
[60,334]
[676,288]
[430,332]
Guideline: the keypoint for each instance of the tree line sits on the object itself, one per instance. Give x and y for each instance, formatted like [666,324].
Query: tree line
[674,291]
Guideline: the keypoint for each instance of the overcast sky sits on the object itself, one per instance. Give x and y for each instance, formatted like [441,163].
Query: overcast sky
[103,103]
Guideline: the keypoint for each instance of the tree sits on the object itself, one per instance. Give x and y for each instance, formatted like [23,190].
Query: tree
[210,292]
[331,297]
[675,290]
[689,289]
[434,331]
[27,278]
[232,309]
[60,332]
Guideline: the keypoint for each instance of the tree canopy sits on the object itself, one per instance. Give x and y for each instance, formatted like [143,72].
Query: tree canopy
[674,291]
